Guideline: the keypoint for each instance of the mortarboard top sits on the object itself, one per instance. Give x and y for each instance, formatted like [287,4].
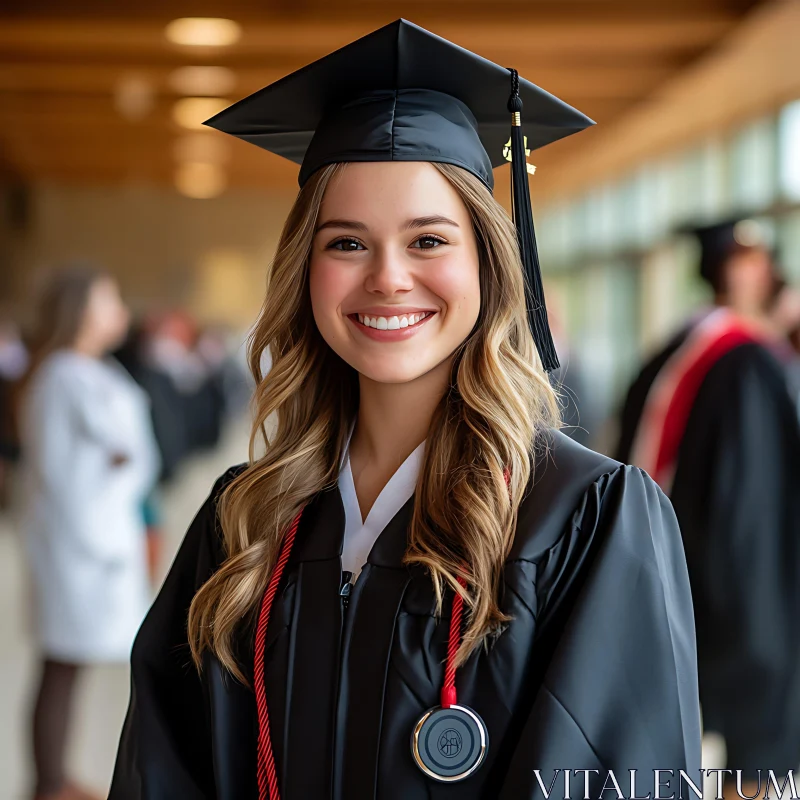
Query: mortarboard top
[390,96]
[402,93]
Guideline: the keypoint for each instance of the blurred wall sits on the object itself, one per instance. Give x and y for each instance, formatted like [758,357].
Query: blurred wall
[209,256]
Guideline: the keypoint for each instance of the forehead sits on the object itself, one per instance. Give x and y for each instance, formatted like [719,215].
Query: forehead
[103,287]
[391,192]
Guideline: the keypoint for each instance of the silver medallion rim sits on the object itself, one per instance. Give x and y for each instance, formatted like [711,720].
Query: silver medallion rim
[461,775]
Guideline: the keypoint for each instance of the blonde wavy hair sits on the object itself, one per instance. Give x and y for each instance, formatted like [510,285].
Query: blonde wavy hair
[484,428]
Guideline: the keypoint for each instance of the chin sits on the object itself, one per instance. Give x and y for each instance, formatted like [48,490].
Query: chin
[397,372]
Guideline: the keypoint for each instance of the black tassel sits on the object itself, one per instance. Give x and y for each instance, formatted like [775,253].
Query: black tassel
[523,219]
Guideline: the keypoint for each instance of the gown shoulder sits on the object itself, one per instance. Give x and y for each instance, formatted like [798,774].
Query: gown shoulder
[749,363]
[226,478]
[598,545]
[564,474]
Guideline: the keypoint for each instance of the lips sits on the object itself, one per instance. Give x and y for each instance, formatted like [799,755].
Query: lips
[395,328]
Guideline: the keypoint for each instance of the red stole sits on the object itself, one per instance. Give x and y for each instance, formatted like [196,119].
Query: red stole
[671,397]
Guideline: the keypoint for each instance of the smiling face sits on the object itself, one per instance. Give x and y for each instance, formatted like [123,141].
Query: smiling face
[749,277]
[394,273]
[106,318]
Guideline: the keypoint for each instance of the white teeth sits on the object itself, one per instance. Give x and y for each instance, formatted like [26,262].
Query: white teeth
[392,323]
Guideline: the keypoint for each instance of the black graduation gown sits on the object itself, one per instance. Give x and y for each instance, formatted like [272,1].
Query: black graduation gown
[597,670]
[736,492]
[167,411]
[635,400]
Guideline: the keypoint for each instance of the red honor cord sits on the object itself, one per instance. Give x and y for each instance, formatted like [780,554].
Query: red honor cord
[267,775]
[453,643]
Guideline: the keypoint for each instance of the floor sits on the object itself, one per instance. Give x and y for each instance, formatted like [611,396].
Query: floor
[103,696]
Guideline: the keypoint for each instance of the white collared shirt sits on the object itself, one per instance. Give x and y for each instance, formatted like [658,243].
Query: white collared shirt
[360,534]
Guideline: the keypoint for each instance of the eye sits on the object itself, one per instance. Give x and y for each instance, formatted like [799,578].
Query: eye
[346,245]
[428,242]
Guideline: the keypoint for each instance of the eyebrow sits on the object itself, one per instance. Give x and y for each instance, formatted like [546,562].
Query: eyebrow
[342,223]
[419,222]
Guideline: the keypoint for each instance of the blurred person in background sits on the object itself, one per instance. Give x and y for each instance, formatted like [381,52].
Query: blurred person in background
[181,367]
[785,317]
[220,348]
[13,365]
[191,379]
[170,350]
[711,418]
[166,399]
[89,463]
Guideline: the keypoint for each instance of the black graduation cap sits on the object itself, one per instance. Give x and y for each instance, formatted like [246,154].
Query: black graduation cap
[402,93]
[718,242]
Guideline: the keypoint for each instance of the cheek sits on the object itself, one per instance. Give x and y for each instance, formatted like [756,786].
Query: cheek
[457,282]
[113,317]
[330,282]
[747,280]
[123,317]
[94,318]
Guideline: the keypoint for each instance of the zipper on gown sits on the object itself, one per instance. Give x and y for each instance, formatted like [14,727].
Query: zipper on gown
[345,588]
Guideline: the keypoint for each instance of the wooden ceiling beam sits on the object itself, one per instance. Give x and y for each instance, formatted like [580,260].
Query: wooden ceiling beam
[88,172]
[299,10]
[283,64]
[569,87]
[37,80]
[508,38]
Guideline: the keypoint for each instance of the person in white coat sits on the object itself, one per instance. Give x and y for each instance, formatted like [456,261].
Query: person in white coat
[89,462]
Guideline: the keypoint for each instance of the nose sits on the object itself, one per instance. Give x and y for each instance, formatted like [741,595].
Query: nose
[388,273]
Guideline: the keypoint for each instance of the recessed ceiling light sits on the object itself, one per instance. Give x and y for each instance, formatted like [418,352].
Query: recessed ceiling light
[134,96]
[208,81]
[209,148]
[192,112]
[203,31]
[200,181]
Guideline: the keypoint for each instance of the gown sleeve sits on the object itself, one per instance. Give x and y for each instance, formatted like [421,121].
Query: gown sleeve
[616,634]
[737,495]
[165,748]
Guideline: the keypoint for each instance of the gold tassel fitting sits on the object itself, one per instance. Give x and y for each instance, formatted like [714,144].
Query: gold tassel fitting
[507,155]
[516,119]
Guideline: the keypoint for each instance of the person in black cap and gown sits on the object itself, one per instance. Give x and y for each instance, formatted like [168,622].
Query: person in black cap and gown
[421,588]
[712,420]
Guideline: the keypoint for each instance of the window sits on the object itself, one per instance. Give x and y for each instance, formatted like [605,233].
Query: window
[752,166]
[789,151]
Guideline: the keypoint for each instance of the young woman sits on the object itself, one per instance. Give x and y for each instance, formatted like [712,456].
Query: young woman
[89,462]
[421,589]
